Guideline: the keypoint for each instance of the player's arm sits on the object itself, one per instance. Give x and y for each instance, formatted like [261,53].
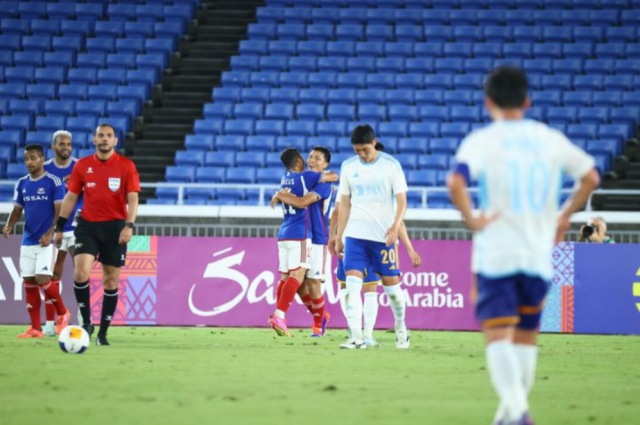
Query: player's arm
[457,184]
[68,203]
[45,239]
[132,214]
[343,219]
[416,260]
[333,229]
[296,202]
[401,209]
[13,218]
[588,183]
[329,177]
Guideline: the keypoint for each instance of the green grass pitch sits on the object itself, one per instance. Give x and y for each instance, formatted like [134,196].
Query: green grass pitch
[250,376]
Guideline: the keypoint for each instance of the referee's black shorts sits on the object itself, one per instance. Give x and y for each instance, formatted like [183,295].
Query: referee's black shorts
[100,239]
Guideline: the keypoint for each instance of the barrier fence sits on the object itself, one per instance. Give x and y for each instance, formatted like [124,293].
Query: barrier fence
[194,281]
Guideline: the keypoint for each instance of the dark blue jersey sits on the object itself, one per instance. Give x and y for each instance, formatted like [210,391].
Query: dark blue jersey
[63,173]
[296,224]
[37,198]
[319,213]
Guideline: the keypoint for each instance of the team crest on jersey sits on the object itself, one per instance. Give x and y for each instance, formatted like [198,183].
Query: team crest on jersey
[90,170]
[41,191]
[114,184]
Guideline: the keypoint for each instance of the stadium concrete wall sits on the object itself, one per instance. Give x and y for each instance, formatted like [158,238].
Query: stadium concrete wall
[197,281]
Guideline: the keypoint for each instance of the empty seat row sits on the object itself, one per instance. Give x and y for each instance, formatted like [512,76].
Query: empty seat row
[432,32]
[383,15]
[155,61]
[58,75]
[74,91]
[440,48]
[85,124]
[104,28]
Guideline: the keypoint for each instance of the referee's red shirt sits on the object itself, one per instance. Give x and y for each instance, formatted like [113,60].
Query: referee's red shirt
[105,185]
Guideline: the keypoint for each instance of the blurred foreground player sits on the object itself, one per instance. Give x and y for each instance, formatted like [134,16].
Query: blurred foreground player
[61,166]
[109,183]
[39,194]
[519,164]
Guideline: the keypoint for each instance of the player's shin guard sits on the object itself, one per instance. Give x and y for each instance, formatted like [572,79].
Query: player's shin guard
[49,306]
[354,307]
[109,304]
[317,309]
[279,289]
[370,313]
[527,356]
[32,297]
[505,373]
[342,297]
[83,297]
[52,292]
[287,296]
[397,304]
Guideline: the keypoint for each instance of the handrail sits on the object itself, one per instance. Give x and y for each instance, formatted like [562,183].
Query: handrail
[425,190]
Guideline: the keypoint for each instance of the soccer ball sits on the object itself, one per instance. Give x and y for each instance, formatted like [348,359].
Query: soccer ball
[74,340]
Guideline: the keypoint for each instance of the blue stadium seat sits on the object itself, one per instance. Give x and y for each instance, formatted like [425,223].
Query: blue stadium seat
[408,161]
[419,66]
[293,80]
[269,127]
[93,109]
[82,76]
[302,64]
[593,115]
[610,50]
[546,98]
[370,96]
[306,111]
[301,128]
[368,112]
[332,64]
[447,146]
[313,96]
[566,115]
[403,113]
[199,142]
[588,34]
[399,97]
[215,111]
[498,34]
[557,82]
[210,174]
[291,32]
[341,96]
[349,32]
[284,95]
[409,33]
[341,112]
[582,131]
[444,81]
[409,81]
[578,50]
[614,131]
[320,32]
[370,49]
[490,17]
[269,175]
[16,171]
[261,143]
[241,175]
[208,127]
[239,127]
[577,98]
[455,130]
[628,116]
[433,162]
[10,138]
[438,33]
[233,142]
[189,158]
[250,111]
[468,114]
[298,15]
[223,159]
[413,145]
[254,95]
[178,174]
[424,129]
[429,97]
[457,97]
[331,128]
[273,159]
[621,34]
[250,159]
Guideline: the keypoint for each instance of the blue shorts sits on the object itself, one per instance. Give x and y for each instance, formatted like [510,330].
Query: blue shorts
[370,277]
[361,254]
[515,300]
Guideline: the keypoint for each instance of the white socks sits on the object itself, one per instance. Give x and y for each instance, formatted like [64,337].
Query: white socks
[370,313]
[342,296]
[506,377]
[527,356]
[397,304]
[354,307]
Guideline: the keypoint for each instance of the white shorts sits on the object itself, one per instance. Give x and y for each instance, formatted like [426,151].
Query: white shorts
[36,260]
[68,239]
[294,255]
[318,262]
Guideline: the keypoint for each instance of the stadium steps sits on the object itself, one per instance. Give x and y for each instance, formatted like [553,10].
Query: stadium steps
[204,53]
[626,176]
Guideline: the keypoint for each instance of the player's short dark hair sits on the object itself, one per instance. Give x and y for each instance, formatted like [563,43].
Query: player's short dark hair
[325,151]
[362,135]
[104,124]
[289,156]
[34,147]
[507,87]
[379,146]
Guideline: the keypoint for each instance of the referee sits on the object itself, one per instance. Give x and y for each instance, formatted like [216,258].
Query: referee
[109,183]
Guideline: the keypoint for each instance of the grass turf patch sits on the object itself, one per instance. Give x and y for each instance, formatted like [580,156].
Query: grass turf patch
[155,375]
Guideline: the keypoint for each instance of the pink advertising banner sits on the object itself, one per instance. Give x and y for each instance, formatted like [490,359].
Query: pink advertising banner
[232,282]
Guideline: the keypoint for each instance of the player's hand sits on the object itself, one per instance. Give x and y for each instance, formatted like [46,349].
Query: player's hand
[339,247]
[274,201]
[480,222]
[57,239]
[6,231]
[332,246]
[563,225]
[45,239]
[392,236]
[416,260]
[125,235]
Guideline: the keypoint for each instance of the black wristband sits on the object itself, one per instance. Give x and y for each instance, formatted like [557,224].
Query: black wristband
[129,224]
[61,223]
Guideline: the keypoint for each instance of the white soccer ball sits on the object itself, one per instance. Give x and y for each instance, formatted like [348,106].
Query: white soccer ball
[74,340]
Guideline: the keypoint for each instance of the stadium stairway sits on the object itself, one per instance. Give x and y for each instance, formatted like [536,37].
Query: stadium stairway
[625,176]
[204,54]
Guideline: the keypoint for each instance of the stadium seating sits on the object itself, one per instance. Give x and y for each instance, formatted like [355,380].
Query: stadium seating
[71,63]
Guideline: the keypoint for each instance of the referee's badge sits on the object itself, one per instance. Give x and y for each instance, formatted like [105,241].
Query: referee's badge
[114,184]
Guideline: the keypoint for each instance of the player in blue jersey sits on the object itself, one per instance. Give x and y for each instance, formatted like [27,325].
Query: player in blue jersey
[318,201]
[40,196]
[294,237]
[519,164]
[61,166]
